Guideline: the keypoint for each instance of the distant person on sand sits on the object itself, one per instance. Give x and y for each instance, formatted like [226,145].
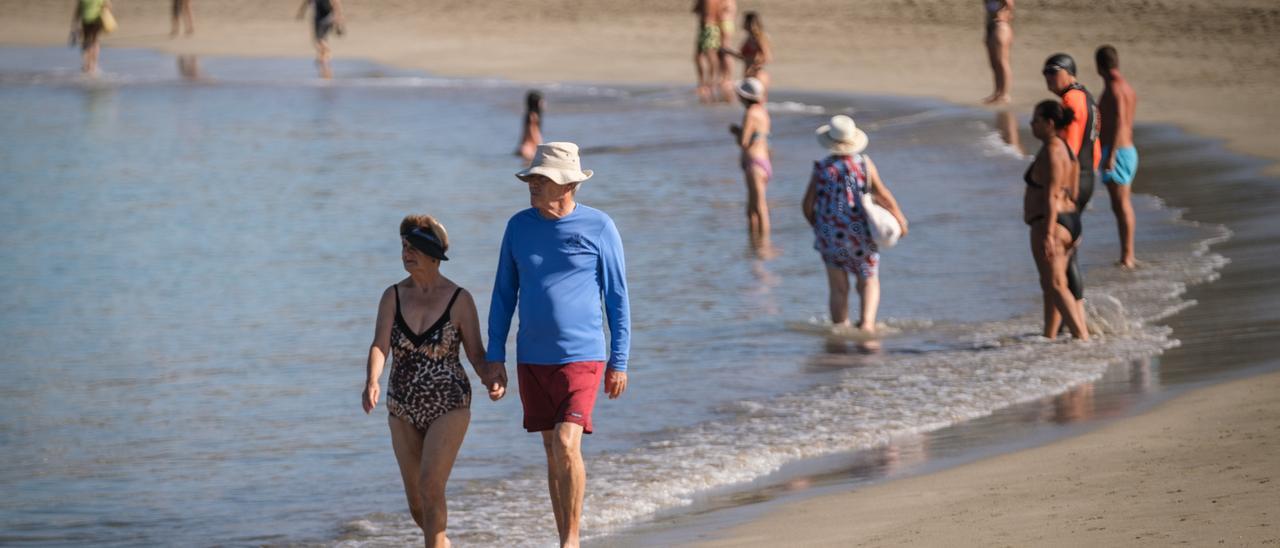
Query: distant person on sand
[706,47]
[999,40]
[422,320]
[531,134]
[182,10]
[833,207]
[724,64]
[327,17]
[562,265]
[755,51]
[88,22]
[1119,157]
[1081,135]
[1049,207]
[753,138]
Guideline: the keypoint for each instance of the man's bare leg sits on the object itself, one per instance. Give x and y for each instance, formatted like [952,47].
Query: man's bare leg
[571,474]
[553,480]
[1123,209]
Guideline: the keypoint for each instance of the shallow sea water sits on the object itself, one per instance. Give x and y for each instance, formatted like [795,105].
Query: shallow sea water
[189,270]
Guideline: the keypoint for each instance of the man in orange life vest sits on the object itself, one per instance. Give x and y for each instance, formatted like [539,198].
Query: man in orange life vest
[1081,136]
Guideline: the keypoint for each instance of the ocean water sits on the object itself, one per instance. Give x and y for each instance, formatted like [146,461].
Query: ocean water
[190,267]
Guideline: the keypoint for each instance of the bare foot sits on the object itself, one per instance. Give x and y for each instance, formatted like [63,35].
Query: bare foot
[997,99]
[1130,265]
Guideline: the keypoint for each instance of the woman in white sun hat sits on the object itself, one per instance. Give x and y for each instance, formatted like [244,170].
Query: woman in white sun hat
[753,138]
[833,206]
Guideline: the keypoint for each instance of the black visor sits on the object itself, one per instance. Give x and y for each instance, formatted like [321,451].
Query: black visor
[426,242]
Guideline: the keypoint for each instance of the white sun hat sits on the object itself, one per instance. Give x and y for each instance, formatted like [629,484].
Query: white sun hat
[556,161]
[751,89]
[842,136]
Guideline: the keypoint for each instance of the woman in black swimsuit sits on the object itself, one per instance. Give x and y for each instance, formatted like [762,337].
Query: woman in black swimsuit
[1049,207]
[422,320]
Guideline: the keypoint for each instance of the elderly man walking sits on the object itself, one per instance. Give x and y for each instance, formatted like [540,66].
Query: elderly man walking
[559,261]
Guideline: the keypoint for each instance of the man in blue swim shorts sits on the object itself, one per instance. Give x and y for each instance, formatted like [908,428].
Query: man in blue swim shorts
[1119,157]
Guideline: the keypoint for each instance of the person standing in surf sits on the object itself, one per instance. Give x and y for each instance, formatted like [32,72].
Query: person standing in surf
[327,17]
[1049,207]
[753,138]
[562,265]
[531,134]
[87,26]
[1081,135]
[1119,157]
[833,207]
[756,51]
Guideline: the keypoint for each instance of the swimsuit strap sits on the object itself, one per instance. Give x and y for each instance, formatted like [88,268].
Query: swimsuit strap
[449,306]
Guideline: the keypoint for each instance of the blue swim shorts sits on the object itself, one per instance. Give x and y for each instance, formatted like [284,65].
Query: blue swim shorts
[1126,166]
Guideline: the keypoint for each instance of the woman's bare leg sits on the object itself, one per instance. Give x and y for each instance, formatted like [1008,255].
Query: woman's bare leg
[439,450]
[869,295]
[757,187]
[406,441]
[999,42]
[1052,319]
[838,282]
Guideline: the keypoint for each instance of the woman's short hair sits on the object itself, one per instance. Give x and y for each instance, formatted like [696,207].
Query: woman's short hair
[425,222]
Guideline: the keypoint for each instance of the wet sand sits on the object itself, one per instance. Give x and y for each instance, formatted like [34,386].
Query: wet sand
[1198,469]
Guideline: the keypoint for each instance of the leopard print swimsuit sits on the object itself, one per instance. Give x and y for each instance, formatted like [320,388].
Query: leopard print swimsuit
[427,379]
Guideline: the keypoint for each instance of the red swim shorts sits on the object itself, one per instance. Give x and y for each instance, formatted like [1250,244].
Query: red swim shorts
[553,394]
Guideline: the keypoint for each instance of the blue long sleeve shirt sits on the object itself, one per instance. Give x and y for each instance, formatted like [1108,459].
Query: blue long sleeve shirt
[559,271]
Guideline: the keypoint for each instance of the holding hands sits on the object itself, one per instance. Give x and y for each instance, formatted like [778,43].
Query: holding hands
[495,379]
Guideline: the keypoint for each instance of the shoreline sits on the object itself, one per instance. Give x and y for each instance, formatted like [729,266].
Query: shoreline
[1182,62]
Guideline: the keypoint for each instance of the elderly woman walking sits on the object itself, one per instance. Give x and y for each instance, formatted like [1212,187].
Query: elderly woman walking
[833,206]
[422,321]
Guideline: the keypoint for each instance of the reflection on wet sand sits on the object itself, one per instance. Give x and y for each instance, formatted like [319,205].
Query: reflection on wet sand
[1007,124]
[189,67]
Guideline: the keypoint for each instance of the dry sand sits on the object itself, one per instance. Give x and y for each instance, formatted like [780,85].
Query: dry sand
[1198,469]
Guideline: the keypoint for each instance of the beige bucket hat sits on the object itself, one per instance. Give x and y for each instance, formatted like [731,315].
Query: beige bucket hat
[842,136]
[751,89]
[556,161]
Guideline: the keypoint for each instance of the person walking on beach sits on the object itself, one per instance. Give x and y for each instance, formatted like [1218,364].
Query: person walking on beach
[422,320]
[706,47]
[999,39]
[753,138]
[1081,135]
[327,17]
[182,10]
[833,207]
[1049,207]
[755,51]
[562,265]
[1119,157]
[728,15]
[531,135]
[89,21]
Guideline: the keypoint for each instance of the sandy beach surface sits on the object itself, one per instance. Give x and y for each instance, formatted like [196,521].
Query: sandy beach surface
[1200,469]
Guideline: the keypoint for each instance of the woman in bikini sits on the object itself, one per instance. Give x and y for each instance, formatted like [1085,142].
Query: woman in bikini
[422,320]
[833,206]
[531,136]
[999,38]
[753,138]
[1049,207]
[755,51]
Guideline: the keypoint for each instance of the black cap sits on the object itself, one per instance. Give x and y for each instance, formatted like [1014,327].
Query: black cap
[1060,61]
[426,242]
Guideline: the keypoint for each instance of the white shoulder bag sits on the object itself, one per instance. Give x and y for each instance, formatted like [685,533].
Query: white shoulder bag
[885,229]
